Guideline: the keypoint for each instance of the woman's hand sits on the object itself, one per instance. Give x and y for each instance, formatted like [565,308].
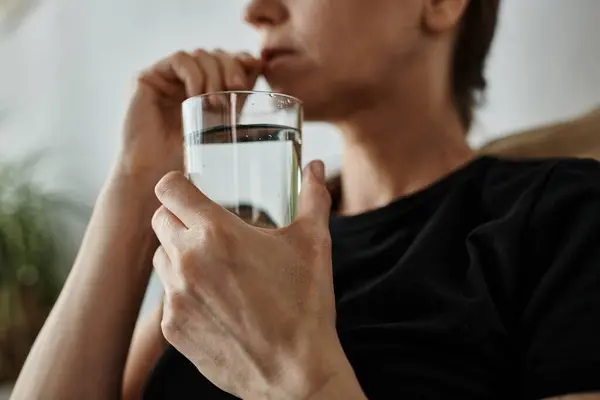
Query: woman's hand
[252,308]
[153,139]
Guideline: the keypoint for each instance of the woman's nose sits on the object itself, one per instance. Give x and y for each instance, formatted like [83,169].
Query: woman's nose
[264,13]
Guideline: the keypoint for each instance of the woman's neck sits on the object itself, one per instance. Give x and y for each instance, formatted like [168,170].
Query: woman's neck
[393,150]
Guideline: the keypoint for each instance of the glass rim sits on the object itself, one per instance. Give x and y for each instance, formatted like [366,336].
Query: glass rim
[263,92]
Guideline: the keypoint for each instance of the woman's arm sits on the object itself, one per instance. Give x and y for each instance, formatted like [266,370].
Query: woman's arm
[146,348]
[81,351]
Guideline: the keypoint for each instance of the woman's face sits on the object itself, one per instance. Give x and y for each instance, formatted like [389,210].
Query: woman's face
[337,55]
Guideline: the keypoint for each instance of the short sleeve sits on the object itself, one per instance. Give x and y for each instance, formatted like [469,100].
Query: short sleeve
[560,292]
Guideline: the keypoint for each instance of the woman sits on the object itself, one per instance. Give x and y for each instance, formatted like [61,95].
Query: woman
[456,276]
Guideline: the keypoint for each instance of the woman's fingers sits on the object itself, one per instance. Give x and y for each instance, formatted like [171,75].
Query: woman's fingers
[165,270]
[163,87]
[234,75]
[213,76]
[182,67]
[168,229]
[191,74]
[161,263]
[252,67]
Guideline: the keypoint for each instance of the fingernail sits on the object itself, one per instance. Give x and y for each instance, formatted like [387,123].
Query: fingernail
[317,168]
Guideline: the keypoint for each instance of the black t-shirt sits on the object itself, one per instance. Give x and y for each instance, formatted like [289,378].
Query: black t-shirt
[485,285]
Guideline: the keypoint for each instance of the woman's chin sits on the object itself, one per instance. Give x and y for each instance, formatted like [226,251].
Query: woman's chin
[299,84]
[288,88]
[313,97]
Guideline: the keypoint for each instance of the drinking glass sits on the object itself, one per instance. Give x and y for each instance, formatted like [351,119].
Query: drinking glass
[243,150]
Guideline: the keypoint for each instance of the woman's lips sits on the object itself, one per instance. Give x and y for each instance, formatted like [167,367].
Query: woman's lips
[277,57]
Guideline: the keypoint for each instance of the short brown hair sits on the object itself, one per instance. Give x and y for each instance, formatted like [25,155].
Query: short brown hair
[472,47]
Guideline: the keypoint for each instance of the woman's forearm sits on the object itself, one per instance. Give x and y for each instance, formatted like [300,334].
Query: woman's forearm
[81,351]
[147,345]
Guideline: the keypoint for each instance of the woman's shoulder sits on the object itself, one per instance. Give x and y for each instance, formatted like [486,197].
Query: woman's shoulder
[542,165]
[542,173]
[527,183]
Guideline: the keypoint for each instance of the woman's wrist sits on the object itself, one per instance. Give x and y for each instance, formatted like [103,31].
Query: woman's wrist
[343,385]
[133,188]
[324,374]
[147,172]
[124,210]
[340,384]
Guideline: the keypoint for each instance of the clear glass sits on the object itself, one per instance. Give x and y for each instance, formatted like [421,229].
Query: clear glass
[243,150]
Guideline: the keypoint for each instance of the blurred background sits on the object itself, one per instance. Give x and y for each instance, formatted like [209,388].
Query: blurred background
[67,69]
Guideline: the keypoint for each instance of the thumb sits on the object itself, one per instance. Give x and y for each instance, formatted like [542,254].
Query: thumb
[315,201]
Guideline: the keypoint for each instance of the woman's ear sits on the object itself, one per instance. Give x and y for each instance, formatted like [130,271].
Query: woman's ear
[443,15]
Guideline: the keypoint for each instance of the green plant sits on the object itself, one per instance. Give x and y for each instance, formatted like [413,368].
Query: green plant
[33,260]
